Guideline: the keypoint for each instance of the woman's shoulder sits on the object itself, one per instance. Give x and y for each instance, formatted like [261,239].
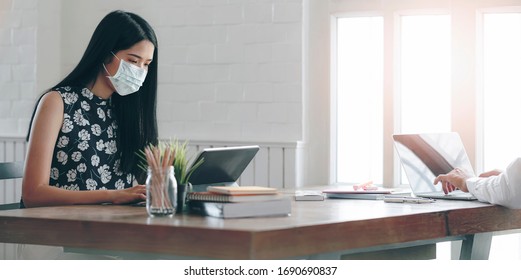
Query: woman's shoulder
[51,103]
[51,98]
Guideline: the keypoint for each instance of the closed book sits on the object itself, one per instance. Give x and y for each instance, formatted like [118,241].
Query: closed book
[281,207]
[215,197]
[242,190]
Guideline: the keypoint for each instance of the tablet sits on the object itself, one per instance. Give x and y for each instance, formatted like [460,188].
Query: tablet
[223,165]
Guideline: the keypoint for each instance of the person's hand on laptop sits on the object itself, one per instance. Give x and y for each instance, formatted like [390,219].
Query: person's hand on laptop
[456,179]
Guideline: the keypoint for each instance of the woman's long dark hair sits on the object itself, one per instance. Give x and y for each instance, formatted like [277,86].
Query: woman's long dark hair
[135,113]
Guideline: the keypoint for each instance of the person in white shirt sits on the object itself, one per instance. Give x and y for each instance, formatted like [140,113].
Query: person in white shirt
[495,187]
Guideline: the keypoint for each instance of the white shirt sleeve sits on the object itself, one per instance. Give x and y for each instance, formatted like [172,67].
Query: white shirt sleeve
[504,189]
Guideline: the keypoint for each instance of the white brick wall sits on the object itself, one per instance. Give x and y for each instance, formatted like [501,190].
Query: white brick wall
[18,34]
[229,69]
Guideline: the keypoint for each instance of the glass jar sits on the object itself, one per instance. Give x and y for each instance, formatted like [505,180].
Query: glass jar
[161,192]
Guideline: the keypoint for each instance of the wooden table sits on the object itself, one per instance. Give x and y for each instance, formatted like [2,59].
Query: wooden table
[323,229]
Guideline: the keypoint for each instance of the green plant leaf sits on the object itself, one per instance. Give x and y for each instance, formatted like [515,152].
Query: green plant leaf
[181,162]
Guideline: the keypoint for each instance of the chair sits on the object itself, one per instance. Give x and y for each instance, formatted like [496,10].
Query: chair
[11,170]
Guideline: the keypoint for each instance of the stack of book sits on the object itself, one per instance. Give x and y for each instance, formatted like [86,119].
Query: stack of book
[239,202]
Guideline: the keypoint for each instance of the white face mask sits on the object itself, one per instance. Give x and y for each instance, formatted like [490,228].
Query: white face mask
[128,79]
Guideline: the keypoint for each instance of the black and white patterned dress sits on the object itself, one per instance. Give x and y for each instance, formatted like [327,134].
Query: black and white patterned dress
[85,156]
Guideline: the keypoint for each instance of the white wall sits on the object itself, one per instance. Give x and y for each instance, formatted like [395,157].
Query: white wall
[48,53]
[18,33]
[228,70]
[316,94]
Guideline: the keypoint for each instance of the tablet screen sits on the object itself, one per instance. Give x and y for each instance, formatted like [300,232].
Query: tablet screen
[222,165]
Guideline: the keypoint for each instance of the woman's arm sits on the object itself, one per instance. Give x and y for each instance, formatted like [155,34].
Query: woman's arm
[36,190]
[496,187]
[503,189]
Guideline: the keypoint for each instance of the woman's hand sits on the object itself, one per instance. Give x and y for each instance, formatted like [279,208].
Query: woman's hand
[456,179]
[131,195]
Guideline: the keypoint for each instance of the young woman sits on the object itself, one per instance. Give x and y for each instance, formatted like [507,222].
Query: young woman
[86,130]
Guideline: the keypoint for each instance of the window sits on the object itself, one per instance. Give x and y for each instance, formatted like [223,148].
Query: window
[501,89]
[424,94]
[359,99]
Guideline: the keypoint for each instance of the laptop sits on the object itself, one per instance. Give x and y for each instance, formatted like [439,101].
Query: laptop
[221,166]
[425,156]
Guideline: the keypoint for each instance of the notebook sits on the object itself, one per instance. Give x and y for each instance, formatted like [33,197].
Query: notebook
[244,190]
[425,156]
[216,197]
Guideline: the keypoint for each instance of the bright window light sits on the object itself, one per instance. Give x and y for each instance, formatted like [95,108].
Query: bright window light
[501,89]
[425,74]
[359,99]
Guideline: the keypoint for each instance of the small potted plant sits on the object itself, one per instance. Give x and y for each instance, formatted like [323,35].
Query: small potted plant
[182,169]
[181,163]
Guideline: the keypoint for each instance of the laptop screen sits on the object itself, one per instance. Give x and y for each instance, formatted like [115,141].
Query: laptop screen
[425,156]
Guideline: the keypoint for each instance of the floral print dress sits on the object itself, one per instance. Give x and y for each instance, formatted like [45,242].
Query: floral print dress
[85,155]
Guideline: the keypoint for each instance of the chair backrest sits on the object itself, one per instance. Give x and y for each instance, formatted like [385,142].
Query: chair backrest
[11,170]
